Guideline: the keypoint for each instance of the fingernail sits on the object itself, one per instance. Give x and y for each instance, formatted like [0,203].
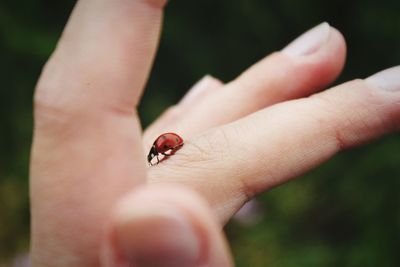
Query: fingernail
[388,79]
[310,41]
[155,235]
[200,88]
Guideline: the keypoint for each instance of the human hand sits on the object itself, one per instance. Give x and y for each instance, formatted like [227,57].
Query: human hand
[90,205]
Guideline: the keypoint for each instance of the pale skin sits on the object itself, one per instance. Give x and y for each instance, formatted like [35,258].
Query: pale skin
[95,201]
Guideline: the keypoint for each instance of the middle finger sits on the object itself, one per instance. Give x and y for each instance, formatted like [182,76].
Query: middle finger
[306,65]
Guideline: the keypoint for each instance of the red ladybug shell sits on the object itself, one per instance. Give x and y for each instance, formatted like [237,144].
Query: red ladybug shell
[167,141]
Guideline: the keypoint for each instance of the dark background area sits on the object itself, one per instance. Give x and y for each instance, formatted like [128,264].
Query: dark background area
[345,213]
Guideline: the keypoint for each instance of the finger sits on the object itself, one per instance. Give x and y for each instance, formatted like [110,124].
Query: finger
[86,149]
[230,164]
[165,226]
[103,58]
[308,64]
[205,87]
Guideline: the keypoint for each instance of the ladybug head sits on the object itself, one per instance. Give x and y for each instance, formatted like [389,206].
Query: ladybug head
[153,152]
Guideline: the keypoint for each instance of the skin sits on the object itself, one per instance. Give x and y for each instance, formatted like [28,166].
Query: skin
[94,201]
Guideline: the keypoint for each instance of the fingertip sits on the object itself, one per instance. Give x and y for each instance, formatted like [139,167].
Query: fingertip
[164,226]
[310,41]
[332,57]
[157,234]
[203,87]
[305,66]
[314,71]
[387,80]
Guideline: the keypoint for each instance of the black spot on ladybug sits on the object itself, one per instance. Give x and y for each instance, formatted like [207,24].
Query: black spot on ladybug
[165,146]
[176,139]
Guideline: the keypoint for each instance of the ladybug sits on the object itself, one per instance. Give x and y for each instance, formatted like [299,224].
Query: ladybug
[164,143]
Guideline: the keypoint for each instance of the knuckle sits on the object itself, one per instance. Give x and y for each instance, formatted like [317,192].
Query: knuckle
[53,106]
[352,118]
[330,121]
[48,111]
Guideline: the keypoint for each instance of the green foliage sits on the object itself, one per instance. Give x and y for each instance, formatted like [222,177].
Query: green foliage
[346,213]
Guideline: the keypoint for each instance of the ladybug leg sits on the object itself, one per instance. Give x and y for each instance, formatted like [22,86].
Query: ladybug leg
[152,164]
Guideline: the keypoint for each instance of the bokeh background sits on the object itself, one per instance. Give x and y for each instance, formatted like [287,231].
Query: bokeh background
[345,213]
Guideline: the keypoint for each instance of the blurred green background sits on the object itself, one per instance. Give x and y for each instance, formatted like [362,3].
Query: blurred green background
[345,213]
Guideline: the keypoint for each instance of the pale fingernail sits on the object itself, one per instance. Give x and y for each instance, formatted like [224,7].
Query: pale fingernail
[200,88]
[388,79]
[310,41]
[157,236]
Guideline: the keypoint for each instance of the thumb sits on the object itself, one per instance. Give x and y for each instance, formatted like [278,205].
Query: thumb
[163,226]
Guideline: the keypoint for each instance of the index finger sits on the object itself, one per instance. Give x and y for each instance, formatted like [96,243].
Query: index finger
[104,55]
[87,148]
